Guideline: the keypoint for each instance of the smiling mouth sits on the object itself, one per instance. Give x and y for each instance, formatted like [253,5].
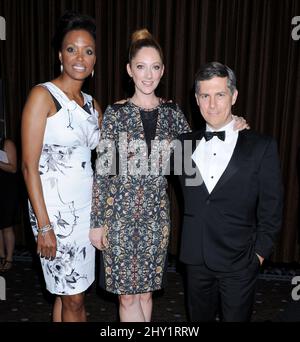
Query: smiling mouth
[79,68]
[148,84]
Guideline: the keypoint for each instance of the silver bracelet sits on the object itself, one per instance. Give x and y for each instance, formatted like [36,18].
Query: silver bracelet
[43,230]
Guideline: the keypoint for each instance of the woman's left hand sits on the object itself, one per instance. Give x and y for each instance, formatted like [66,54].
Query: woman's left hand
[240,123]
[98,238]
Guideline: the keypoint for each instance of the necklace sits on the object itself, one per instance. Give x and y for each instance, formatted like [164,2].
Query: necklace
[143,108]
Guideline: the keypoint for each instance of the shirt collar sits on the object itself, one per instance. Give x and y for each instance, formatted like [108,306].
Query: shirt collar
[228,128]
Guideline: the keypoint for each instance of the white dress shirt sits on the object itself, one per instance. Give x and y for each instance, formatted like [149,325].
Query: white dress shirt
[213,156]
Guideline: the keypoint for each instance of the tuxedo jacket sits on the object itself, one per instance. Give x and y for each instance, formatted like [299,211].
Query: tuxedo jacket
[242,215]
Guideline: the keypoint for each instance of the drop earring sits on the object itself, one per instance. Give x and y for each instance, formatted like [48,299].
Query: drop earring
[92,74]
[61,68]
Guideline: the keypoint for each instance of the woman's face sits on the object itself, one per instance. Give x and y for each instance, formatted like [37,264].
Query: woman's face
[78,54]
[146,70]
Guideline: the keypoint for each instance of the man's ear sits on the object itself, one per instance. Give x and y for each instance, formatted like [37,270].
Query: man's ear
[128,69]
[196,96]
[234,97]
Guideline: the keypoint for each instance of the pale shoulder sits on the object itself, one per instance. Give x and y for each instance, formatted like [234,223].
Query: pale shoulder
[117,106]
[120,102]
[170,104]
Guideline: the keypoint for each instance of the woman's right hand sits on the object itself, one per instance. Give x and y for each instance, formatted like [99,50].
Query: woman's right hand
[46,245]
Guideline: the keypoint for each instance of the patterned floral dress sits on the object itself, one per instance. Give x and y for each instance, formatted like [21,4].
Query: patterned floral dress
[133,207]
[67,176]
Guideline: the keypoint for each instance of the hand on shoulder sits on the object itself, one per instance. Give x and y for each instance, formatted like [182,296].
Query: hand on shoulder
[240,123]
[166,101]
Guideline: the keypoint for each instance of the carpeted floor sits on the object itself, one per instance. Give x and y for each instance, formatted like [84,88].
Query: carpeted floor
[27,301]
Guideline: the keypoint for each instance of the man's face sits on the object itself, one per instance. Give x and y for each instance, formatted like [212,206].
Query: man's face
[214,100]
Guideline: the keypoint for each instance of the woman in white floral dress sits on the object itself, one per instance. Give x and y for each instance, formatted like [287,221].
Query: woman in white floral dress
[59,129]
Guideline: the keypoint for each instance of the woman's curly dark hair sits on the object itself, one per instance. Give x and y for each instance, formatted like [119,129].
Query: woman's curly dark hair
[72,21]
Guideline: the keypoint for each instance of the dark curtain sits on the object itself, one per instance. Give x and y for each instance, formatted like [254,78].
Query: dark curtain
[253,37]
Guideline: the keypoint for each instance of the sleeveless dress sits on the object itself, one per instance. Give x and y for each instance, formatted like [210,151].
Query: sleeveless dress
[66,176]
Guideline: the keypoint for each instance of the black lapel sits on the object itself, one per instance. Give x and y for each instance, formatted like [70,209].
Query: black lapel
[193,173]
[196,140]
[239,153]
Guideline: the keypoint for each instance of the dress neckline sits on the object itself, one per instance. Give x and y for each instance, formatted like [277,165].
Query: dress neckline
[145,109]
[66,96]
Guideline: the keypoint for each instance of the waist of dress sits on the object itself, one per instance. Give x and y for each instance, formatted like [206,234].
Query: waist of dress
[65,158]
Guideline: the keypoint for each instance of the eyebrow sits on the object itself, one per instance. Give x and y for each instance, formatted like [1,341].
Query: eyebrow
[83,46]
[218,92]
[160,63]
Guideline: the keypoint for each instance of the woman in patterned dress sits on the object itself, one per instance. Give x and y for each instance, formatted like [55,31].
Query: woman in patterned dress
[130,211]
[59,129]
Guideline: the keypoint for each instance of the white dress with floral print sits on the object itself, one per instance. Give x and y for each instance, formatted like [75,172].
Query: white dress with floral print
[66,176]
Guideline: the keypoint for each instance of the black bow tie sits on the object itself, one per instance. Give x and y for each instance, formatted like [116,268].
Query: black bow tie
[209,135]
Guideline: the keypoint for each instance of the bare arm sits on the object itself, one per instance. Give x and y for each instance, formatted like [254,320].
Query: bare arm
[38,106]
[10,149]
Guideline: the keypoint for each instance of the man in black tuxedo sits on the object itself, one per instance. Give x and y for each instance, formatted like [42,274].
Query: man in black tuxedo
[233,214]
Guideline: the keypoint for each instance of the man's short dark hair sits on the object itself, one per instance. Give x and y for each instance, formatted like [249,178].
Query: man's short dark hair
[215,69]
